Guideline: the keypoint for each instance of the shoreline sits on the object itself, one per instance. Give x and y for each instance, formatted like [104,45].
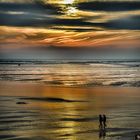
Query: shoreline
[64,86]
[28,89]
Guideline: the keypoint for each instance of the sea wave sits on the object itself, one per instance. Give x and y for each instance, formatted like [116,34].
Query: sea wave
[77,83]
[73,74]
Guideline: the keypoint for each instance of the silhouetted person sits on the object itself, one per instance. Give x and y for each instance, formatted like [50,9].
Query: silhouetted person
[135,137]
[100,120]
[104,120]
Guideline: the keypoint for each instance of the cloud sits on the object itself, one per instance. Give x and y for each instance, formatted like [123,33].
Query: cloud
[41,20]
[24,19]
[34,15]
[24,14]
[109,5]
[130,23]
[54,37]
[93,24]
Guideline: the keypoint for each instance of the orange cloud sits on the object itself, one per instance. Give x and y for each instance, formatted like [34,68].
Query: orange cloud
[65,38]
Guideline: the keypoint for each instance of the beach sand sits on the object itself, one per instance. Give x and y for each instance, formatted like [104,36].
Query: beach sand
[38,112]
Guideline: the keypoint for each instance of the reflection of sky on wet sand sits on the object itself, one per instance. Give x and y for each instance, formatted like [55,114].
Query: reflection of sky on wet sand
[68,120]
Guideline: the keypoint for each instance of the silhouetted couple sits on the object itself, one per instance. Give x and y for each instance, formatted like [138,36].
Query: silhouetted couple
[102,121]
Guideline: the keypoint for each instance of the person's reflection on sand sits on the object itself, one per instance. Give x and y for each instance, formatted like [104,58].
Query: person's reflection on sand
[102,126]
[102,132]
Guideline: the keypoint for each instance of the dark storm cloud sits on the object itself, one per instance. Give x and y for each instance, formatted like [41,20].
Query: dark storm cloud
[109,6]
[130,23]
[29,19]
[26,7]
[40,20]
[34,14]
[21,14]
[24,19]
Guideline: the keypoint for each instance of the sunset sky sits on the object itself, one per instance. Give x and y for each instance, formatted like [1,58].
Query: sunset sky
[70,29]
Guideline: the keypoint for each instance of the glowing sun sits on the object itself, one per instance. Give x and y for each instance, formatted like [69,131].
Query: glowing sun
[68,1]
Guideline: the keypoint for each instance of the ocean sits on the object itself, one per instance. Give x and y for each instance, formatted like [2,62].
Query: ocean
[61,100]
[73,73]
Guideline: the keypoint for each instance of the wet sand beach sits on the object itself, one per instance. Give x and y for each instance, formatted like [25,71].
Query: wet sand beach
[67,113]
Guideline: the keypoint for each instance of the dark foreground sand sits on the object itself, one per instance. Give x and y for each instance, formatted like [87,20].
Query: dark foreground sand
[37,112]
